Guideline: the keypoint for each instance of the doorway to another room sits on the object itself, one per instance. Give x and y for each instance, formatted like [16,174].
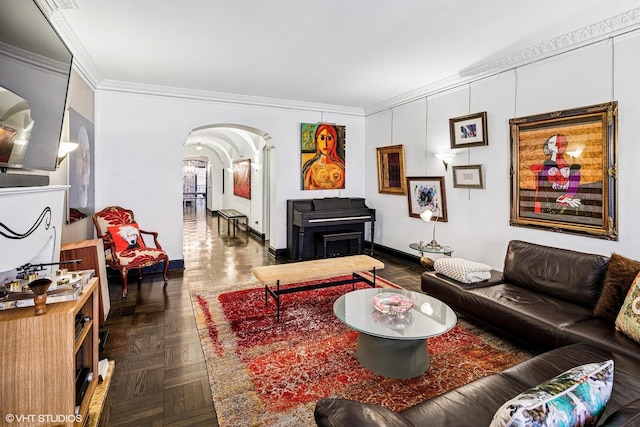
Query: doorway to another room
[194,184]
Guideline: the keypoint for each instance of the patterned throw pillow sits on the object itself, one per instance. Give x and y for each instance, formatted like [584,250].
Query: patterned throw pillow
[575,397]
[126,237]
[462,270]
[628,320]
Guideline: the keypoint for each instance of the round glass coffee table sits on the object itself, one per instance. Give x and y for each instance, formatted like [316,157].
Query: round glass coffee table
[394,346]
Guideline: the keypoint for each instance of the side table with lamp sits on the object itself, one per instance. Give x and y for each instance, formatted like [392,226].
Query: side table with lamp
[432,247]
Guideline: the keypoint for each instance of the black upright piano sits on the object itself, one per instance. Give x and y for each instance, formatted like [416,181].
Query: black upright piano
[308,217]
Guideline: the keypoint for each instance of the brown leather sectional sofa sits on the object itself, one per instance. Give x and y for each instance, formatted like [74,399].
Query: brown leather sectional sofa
[545,297]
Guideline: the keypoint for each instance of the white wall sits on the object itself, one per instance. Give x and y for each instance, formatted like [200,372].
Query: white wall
[478,219]
[139,146]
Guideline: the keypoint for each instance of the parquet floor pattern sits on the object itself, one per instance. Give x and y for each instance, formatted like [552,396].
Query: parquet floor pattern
[160,377]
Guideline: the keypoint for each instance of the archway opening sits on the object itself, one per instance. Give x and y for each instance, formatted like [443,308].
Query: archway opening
[233,152]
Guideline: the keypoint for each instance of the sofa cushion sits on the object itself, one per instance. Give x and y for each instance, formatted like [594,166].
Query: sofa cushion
[628,320]
[526,315]
[620,274]
[573,276]
[462,270]
[575,397]
[345,412]
[628,415]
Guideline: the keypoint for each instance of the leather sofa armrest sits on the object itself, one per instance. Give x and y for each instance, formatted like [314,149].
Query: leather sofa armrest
[627,416]
[345,412]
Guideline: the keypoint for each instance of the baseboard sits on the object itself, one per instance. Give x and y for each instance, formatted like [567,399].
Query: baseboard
[403,256]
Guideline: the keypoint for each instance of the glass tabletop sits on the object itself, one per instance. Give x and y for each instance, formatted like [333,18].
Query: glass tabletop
[447,250]
[428,318]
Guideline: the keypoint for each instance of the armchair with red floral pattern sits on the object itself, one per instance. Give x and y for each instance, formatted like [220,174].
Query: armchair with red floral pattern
[125,248]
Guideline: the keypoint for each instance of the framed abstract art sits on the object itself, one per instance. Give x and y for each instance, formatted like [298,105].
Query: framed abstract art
[242,178]
[427,193]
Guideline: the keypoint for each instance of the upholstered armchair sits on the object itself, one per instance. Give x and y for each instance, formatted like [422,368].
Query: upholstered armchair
[125,248]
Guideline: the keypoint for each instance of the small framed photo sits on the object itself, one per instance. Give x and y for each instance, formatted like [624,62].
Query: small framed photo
[391,179]
[427,193]
[469,131]
[467,176]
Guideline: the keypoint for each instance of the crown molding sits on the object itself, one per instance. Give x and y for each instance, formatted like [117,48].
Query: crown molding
[256,101]
[615,26]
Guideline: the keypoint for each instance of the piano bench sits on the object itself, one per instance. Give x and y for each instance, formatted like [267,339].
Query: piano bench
[339,237]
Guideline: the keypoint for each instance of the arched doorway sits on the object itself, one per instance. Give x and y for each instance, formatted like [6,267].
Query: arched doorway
[225,147]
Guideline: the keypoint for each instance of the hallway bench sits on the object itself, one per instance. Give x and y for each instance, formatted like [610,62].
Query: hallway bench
[306,271]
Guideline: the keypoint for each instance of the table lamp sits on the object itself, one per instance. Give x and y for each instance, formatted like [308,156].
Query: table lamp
[427,215]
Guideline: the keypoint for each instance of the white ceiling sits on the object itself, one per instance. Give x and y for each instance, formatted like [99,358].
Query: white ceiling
[351,53]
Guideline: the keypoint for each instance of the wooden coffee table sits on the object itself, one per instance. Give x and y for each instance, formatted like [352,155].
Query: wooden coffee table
[394,346]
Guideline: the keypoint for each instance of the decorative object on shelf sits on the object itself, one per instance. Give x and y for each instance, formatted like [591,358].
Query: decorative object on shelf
[564,171]
[425,193]
[446,158]
[469,131]
[391,176]
[392,303]
[469,176]
[427,216]
[39,288]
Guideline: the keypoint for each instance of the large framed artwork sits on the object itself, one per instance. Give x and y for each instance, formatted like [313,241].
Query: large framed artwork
[391,178]
[242,178]
[564,171]
[81,168]
[427,193]
[322,147]
[469,130]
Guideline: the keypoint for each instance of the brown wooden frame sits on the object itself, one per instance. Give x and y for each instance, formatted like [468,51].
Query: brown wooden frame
[419,199]
[387,170]
[477,121]
[473,181]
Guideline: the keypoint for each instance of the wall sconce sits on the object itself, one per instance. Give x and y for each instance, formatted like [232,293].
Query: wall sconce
[64,149]
[446,158]
[427,216]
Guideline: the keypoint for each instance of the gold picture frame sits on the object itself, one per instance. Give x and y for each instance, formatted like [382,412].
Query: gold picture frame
[391,174]
[564,171]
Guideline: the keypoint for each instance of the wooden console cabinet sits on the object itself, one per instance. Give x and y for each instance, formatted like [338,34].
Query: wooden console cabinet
[39,357]
[91,252]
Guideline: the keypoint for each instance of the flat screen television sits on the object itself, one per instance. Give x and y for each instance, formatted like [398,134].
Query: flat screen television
[35,66]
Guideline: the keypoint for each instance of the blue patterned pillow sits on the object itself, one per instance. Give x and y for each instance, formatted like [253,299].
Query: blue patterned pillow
[576,397]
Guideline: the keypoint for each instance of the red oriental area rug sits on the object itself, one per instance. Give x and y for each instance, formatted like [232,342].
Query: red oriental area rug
[271,374]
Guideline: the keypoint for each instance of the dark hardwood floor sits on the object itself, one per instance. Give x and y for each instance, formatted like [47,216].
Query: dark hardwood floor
[160,378]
